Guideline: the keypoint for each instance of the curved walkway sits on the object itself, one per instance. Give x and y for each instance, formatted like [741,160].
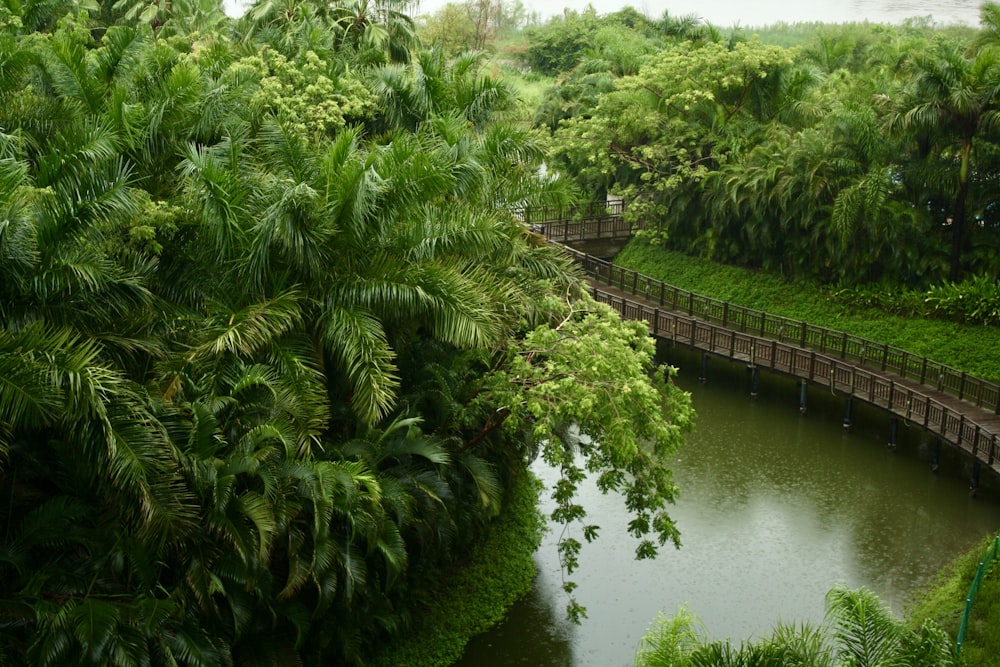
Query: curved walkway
[960,409]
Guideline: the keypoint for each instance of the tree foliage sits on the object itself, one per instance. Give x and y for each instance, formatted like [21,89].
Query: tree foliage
[258,280]
[867,155]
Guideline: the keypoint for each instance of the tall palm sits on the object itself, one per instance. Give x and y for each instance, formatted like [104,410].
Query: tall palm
[953,101]
[378,27]
[434,85]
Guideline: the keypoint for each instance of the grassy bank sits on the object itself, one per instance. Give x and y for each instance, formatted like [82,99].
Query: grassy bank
[944,604]
[967,347]
[500,570]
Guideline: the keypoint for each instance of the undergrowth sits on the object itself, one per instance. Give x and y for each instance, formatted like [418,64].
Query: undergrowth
[500,571]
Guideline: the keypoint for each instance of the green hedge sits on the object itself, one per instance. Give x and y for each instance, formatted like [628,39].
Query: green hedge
[964,346]
[500,571]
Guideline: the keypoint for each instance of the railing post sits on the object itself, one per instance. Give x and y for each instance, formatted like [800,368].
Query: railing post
[961,387]
[885,356]
[691,304]
[843,346]
[923,373]
[663,286]
[725,314]
[804,326]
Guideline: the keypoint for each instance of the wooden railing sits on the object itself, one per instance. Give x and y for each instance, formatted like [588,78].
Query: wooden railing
[590,222]
[535,215]
[844,346]
[837,372]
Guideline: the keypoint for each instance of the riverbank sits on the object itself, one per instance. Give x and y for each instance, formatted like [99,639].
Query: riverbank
[944,604]
[963,346]
[499,571]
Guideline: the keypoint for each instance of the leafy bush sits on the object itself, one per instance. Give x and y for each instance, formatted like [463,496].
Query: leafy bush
[972,301]
[975,300]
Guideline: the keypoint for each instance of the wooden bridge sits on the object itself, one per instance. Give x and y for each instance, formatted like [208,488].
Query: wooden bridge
[960,409]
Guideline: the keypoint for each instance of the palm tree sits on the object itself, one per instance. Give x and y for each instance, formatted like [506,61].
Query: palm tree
[859,631]
[953,101]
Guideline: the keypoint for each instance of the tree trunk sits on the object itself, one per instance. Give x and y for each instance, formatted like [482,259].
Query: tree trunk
[958,216]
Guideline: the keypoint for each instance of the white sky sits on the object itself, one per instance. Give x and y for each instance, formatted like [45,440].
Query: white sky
[725,13]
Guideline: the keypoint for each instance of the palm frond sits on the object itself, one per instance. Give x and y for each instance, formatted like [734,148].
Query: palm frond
[865,631]
[357,340]
[250,329]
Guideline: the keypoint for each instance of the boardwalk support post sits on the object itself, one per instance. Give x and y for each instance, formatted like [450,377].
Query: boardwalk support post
[974,479]
[803,393]
[754,381]
[703,377]
[849,413]
[936,455]
[893,432]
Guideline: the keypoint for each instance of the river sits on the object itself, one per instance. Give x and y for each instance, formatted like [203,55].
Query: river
[775,509]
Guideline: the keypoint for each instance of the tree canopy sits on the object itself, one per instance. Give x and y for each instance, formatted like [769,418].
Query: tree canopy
[861,155]
[271,333]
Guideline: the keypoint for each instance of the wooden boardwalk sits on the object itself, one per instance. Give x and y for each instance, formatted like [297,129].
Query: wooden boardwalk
[960,409]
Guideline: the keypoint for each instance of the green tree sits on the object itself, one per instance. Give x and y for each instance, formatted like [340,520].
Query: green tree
[246,343]
[556,390]
[951,104]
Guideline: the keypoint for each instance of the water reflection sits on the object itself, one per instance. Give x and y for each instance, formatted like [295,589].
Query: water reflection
[775,509]
[537,622]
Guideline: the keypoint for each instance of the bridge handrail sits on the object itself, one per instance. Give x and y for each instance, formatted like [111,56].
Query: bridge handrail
[978,439]
[929,373]
[572,213]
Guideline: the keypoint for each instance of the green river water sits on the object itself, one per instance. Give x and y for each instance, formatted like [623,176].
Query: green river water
[776,507]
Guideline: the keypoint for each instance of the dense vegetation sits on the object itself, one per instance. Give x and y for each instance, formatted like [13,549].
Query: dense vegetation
[865,155]
[859,631]
[274,350]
